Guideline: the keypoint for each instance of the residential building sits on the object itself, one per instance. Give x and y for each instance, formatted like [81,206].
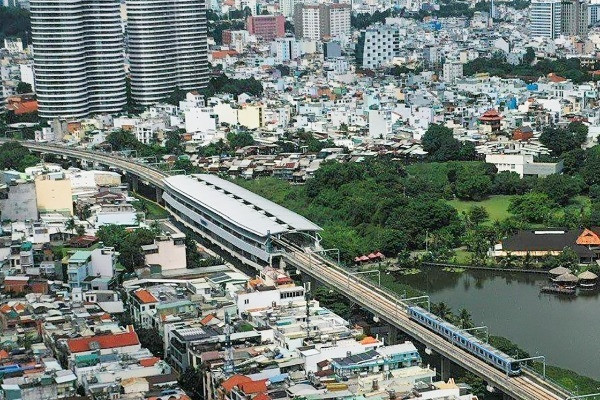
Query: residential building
[167,47]
[285,49]
[574,17]
[104,343]
[380,124]
[546,18]
[452,71]
[53,195]
[91,270]
[21,204]
[287,7]
[78,57]
[168,251]
[522,164]
[266,27]
[318,21]
[381,45]
[593,11]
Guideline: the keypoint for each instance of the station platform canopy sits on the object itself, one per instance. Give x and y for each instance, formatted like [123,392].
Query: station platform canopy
[239,206]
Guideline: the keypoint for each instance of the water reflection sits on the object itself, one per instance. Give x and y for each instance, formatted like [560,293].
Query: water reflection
[564,329]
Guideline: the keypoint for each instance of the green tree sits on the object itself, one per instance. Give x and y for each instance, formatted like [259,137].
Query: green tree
[594,217]
[70,225]
[440,144]
[591,167]
[111,235]
[173,142]
[465,319]
[175,97]
[560,188]
[15,156]
[473,187]
[23,87]
[150,339]
[508,182]
[573,161]
[478,215]
[558,140]
[184,164]
[191,382]
[580,131]
[532,207]
[80,230]
[442,310]
[241,139]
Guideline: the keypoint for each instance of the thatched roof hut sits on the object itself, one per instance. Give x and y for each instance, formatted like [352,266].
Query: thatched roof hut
[566,278]
[559,271]
[587,276]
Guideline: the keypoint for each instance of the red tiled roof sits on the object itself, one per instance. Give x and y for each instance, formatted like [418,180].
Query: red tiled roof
[3,354]
[234,381]
[107,341]
[253,386]
[23,107]
[262,396]
[555,78]
[148,362]
[106,317]
[217,55]
[490,115]
[145,296]
[207,319]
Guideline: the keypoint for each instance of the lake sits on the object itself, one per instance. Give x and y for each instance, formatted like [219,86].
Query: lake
[565,330]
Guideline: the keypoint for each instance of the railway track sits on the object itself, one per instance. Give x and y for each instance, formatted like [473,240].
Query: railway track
[389,307]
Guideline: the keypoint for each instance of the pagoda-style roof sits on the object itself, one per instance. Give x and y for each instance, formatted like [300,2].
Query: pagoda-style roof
[491,115]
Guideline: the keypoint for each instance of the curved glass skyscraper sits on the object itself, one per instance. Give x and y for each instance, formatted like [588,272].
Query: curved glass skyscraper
[78,57]
[167,47]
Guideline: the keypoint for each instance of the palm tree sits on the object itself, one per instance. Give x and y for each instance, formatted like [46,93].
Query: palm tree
[442,310]
[464,317]
[70,225]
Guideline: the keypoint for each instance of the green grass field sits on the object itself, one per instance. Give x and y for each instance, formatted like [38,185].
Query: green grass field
[496,206]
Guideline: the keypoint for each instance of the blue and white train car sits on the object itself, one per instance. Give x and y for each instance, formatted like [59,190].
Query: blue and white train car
[466,341]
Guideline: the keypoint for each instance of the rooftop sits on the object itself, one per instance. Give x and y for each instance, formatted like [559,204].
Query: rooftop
[239,206]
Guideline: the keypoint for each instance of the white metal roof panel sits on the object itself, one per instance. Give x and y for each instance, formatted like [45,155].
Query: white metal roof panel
[238,205]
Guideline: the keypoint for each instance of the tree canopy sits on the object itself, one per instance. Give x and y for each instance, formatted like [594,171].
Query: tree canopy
[15,156]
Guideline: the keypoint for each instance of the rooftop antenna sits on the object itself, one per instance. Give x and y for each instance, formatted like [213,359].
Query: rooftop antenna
[229,366]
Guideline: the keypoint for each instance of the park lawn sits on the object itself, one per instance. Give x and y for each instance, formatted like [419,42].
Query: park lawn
[496,206]
[462,257]
[154,211]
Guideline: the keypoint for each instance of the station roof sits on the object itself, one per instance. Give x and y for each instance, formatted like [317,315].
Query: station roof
[238,205]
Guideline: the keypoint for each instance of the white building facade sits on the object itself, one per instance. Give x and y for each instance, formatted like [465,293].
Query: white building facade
[78,57]
[546,18]
[382,44]
[167,47]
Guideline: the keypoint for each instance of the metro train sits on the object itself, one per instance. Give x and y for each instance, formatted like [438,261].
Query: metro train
[466,341]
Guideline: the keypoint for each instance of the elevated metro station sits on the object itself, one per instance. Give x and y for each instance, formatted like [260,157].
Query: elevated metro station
[235,219]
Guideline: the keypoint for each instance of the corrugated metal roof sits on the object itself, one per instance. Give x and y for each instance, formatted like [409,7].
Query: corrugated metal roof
[238,205]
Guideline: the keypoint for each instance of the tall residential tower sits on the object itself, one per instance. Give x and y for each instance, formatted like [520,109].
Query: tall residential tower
[167,47]
[546,18]
[78,57]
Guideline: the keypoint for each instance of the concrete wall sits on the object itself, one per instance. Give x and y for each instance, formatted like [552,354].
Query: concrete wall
[54,195]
